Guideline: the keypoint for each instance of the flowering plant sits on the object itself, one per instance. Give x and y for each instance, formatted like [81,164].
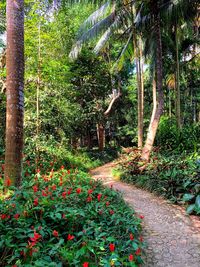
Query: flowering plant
[66,219]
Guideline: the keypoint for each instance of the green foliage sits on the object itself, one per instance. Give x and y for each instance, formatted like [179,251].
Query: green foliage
[65,219]
[170,138]
[173,176]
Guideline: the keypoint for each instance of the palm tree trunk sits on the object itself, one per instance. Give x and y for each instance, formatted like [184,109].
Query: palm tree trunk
[160,96]
[140,89]
[178,95]
[14,91]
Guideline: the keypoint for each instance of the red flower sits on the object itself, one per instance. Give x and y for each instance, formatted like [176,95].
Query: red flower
[111,212]
[64,194]
[141,239]
[131,236]
[34,239]
[14,265]
[55,233]
[69,192]
[141,216]
[112,247]
[90,191]
[138,252]
[16,216]
[62,167]
[44,194]
[99,197]
[107,203]
[8,182]
[68,171]
[86,264]
[22,253]
[70,237]
[3,216]
[89,199]
[35,203]
[131,258]
[35,188]
[53,187]
[78,190]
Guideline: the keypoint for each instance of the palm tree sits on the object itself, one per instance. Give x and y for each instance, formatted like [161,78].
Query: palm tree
[14,91]
[109,19]
[153,16]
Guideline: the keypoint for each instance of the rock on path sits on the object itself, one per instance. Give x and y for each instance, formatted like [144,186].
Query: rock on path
[173,238]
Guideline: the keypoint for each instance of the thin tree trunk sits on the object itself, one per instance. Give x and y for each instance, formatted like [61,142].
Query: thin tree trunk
[38,79]
[160,96]
[178,95]
[14,91]
[139,90]
[38,95]
[154,100]
[101,136]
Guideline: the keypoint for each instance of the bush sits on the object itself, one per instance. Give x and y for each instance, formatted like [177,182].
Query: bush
[67,219]
[170,138]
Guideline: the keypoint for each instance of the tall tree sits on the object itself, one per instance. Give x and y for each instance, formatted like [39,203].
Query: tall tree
[155,13]
[14,91]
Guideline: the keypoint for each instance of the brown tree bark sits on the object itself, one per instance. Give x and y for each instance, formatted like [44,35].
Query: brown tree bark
[14,91]
[160,96]
[140,86]
[101,136]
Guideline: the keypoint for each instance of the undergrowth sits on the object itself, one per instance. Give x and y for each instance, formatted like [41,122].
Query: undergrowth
[175,177]
[66,219]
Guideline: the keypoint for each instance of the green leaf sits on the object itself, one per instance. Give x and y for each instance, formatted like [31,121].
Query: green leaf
[197,202]
[187,197]
[190,209]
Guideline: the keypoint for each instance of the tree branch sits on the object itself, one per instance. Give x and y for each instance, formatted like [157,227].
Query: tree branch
[115,97]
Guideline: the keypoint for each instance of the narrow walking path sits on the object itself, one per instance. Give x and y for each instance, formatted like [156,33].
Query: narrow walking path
[173,238]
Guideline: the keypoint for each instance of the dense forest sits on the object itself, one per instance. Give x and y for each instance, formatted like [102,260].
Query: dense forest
[83,83]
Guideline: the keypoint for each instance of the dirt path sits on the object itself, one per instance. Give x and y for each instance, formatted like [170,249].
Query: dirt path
[173,238]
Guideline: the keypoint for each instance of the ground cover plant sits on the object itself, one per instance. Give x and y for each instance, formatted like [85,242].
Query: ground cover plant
[173,176]
[66,219]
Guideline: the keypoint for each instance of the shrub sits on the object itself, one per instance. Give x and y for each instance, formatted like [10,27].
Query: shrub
[67,219]
[175,177]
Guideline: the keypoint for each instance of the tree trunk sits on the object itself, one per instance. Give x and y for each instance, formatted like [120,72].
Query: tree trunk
[140,89]
[101,136]
[177,75]
[38,96]
[14,91]
[141,92]
[160,96]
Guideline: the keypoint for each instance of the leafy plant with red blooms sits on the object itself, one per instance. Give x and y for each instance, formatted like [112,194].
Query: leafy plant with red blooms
[112,247]
[47,224]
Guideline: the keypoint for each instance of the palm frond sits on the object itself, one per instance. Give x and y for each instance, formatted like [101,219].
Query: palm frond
[92,33]
[94,17]
[105,37]
[177,11]
[126,54]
